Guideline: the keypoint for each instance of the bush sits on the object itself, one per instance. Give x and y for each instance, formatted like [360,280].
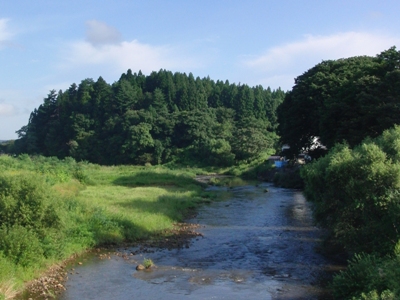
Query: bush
[25,200]
[356,196]
[21,245]
[368,277]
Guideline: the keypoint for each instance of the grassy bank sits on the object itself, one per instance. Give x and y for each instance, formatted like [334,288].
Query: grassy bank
[51,209]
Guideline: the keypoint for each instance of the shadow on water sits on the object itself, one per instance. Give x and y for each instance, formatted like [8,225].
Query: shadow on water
[257,245]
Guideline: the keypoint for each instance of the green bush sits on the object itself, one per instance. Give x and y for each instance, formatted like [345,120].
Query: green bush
[25,200]
[368,277]
[21,245]
[356,196]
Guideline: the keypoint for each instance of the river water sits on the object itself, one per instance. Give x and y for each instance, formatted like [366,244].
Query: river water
[257,245]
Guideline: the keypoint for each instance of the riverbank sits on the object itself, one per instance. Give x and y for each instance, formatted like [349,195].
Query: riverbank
[79,206]
[52,282]
[256,245]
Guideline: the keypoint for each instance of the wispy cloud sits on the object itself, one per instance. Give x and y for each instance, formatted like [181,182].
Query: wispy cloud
[5,33]
[103,50]
[293,59]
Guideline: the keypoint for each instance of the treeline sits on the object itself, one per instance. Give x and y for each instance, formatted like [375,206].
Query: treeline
[342,100]
[154,119]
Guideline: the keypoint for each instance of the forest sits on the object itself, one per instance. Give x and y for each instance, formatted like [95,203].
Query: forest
[345,113]
[154,119]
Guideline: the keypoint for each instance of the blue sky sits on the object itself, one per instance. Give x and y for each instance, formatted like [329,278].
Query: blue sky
[48,44]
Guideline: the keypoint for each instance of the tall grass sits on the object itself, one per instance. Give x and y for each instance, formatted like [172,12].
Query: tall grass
[51,209]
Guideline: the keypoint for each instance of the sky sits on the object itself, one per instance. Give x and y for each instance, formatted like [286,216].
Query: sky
[48,44]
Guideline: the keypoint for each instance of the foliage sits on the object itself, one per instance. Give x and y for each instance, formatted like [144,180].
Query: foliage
[24,201]
[369,277]
[153,119]
[356,196]
[342,100]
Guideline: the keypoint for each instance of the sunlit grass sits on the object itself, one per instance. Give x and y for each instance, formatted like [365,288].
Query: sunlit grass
[93,206]
[150,201]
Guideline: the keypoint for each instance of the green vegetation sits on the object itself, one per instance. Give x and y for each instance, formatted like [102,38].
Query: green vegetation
[342,100]
[351,106]
[155,119]
[356,196]
[147,263]
[51,209]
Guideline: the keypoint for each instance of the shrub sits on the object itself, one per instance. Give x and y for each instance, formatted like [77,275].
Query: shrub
[21,245]
[356,196]
[25,201]
[368,277]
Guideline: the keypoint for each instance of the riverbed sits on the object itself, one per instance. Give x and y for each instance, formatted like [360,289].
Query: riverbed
[259,244]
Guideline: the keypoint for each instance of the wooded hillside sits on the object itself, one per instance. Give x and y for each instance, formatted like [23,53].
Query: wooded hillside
[154,119]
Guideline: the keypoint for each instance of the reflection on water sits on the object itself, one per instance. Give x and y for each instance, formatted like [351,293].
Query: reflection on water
[257,245]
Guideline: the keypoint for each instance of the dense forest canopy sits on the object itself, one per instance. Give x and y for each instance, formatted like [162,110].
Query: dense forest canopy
[154,119]
[342,100]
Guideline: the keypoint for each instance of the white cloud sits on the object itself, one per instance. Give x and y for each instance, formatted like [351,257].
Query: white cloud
[5,34]
[117,58]
[319,48]
[99,33]
[293,59]
[102,53]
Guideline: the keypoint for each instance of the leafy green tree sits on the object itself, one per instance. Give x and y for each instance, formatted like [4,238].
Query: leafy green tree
[251,138]
[342,100]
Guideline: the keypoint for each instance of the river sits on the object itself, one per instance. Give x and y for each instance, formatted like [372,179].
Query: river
[259,244]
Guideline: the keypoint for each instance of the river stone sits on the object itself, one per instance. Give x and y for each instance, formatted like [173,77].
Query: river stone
[140,267]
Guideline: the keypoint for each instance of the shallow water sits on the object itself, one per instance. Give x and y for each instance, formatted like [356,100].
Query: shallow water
[257,245]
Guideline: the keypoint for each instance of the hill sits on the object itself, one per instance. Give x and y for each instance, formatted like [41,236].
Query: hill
[154,119]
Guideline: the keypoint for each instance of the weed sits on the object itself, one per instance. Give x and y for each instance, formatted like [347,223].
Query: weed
[147,263]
